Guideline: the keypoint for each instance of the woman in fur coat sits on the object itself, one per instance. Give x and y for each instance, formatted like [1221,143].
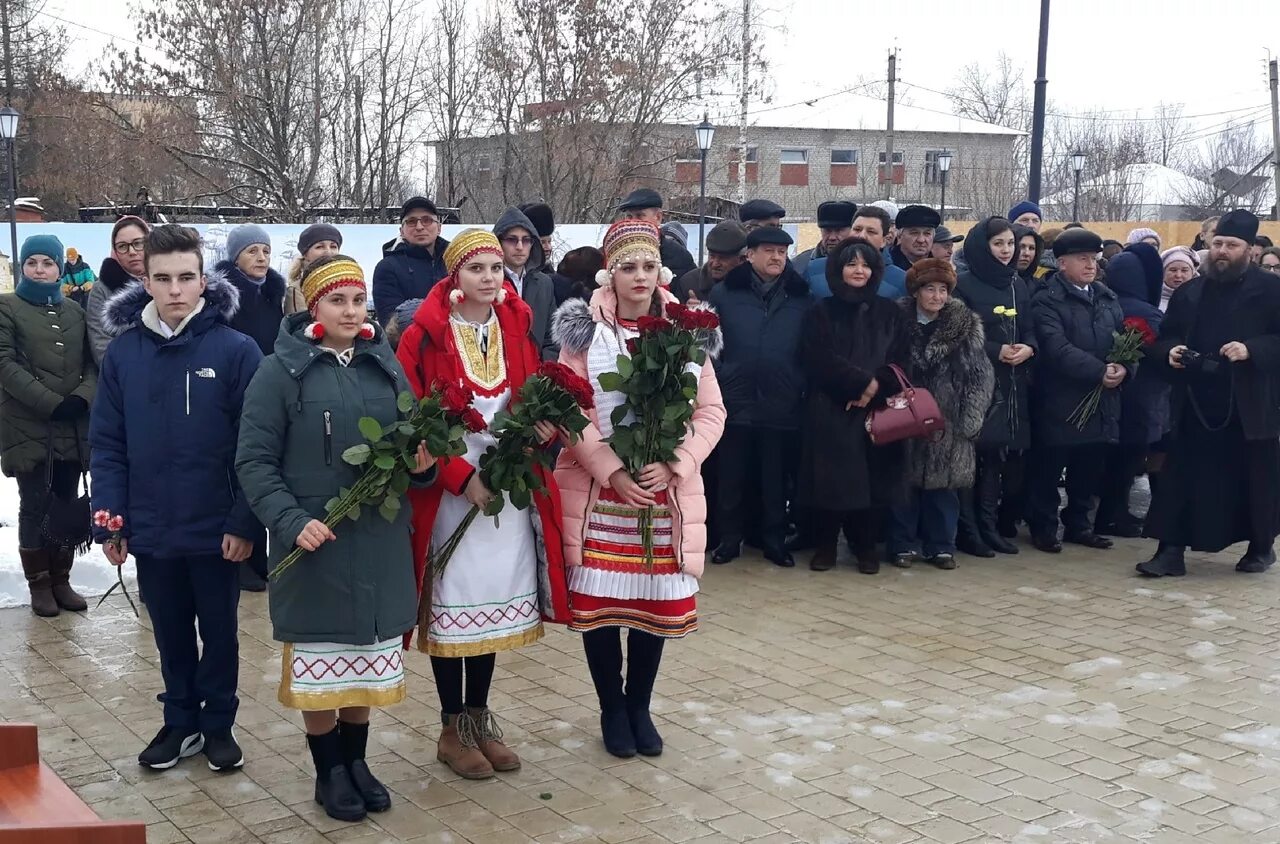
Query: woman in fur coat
[611,584]
[949,359]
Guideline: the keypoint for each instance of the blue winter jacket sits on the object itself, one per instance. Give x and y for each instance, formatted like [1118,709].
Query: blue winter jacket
[893,284]
[406,272]
[1144,403]
[165,421]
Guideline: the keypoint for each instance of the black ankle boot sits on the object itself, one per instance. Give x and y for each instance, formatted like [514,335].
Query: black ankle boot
[986,505]
[1258,558]
[604,660]
[355,738]
[334,789]
[968,538]
[1168,561]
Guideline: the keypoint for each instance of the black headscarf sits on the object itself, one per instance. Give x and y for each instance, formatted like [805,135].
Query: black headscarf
[842,255]
[1019,232]
[977,253]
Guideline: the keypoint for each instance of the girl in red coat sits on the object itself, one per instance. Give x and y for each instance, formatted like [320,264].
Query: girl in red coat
[473,330]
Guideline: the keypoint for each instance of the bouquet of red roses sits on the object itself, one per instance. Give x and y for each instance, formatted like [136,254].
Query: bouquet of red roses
[115,524]
[556,394]
[659,391]
[1127,348]
[438,419]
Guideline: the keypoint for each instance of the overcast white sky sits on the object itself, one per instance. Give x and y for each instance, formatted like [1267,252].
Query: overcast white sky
[1118,55]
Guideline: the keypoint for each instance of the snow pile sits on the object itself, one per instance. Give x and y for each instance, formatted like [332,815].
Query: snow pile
[92,575]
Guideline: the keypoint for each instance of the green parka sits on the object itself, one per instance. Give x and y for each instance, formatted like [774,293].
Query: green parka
[44,358]
[301,413]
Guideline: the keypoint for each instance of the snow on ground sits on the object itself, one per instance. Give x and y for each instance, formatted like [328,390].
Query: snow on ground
[92,575]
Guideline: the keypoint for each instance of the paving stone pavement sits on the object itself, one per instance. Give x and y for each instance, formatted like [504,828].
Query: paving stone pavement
[1030,699]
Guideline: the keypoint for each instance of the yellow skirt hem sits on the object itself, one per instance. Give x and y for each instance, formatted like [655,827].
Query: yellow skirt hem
[483,646]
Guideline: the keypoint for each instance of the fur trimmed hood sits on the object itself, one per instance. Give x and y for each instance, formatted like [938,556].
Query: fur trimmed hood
[573,326]
[124,310]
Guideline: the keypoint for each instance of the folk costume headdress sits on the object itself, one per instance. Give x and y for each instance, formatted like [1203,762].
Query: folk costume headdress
[466,246]
[628,240]
[323,278]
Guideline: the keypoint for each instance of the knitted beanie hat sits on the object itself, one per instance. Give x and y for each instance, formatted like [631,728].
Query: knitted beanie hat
[242,237]
[317,232]
[929,270]
[324,277]
[1026,206]
[1136,236]
[42,244]
[1180,253]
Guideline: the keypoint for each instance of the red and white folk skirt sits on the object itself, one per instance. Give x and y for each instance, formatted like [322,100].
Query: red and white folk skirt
[616,587]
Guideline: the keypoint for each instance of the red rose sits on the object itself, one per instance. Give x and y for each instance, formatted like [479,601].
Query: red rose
[676,311]
[633,345]
[569,381]
[1143,327]
[473,420]
[453,398]
[652,325]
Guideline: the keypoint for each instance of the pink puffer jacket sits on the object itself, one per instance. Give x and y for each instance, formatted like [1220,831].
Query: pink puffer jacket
[584,469]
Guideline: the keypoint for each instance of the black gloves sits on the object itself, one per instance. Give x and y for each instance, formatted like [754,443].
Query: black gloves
[72,407]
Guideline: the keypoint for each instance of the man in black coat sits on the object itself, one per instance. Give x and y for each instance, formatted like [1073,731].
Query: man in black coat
[761,305]
[646,204]
[413,262]
[1076,319]
[916,225]
[1219,346]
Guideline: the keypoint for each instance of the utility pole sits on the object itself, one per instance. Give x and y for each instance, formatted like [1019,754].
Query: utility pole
[1274,74]
[888,126]
[1038,107]
[742,103]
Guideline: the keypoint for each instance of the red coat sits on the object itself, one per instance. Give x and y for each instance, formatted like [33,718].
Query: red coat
[427,352]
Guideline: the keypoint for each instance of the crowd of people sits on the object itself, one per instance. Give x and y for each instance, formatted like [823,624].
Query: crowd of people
[214,406]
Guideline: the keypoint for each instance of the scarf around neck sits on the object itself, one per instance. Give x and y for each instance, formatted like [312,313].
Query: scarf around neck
[39,292]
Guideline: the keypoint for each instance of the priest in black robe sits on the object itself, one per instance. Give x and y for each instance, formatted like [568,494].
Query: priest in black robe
[1219,346]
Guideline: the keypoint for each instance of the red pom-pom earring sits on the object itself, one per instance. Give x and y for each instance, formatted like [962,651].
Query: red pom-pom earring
[366,331]
[314,331]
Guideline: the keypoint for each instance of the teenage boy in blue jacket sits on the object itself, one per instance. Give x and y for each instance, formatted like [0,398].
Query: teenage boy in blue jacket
[163,441]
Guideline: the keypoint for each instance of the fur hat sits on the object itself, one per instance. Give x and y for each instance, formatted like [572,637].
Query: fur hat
[542,217]
[1076,242]
[929,270]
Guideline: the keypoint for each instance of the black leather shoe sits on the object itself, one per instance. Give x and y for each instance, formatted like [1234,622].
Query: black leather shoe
[374,794]
[726,554]
[973,546]
[338,795]
[1168,561]
[1046,543]
[868,562]
[823,560]
[999,544]
[1125,529]
[781,559]
[1256,560]
[1088,539]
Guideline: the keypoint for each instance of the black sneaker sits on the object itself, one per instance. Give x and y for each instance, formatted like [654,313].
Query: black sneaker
[944,561]
[169,746]
[221,750]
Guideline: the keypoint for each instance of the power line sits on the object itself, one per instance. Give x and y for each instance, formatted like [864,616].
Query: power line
[809,101]
[1093,117]
[87,28]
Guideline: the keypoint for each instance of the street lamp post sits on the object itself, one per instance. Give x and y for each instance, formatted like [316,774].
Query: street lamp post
[1077,164]
[944,164]
[9,130]
[704,133]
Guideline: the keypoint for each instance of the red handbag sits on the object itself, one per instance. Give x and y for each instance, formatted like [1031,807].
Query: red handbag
[911,414]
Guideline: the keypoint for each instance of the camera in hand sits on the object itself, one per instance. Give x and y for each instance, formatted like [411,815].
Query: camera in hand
[1197,362]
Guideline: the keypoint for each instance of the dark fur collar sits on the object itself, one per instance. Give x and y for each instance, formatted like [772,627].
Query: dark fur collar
[739,278]
[273,286]
[124,309]
[113,276]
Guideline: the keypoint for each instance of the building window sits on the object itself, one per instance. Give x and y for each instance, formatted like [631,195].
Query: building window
[794,169]
[753,165]
[899,170]
[844,168]
[932,175]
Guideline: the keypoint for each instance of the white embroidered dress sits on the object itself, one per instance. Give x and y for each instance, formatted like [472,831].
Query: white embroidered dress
[487,599]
